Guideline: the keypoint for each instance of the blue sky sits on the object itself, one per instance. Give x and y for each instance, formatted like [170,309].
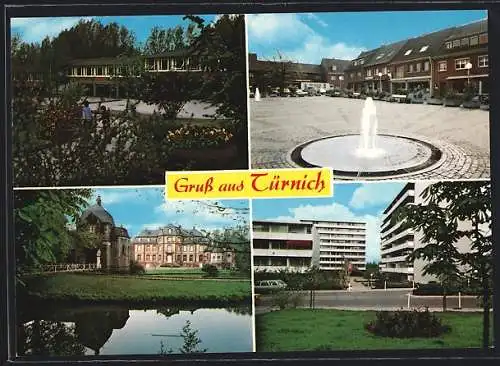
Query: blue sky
[145,207]
[362,202]
[308,37]
[36,29]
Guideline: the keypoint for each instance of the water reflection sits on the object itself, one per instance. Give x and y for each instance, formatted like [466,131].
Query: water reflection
[113,330]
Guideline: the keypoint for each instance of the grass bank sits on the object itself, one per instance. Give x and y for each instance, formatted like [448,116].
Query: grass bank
[191,273]
[320,329]
[104,288]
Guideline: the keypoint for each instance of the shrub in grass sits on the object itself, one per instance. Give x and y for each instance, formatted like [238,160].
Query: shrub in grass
[136,268]
[407,324]
[210,270]
[283,299]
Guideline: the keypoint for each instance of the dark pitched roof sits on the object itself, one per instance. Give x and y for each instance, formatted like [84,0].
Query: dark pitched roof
[469,29]
[99,212]
[423,46]
[121,232]
[366,56]
[341,64]
[385,53]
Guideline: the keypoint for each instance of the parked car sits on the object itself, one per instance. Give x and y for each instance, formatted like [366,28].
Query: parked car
[301,93]
[268,286]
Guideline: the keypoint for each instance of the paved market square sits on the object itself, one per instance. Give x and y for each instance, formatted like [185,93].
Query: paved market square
[278,125]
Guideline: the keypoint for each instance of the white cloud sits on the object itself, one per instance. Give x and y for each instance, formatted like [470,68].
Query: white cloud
[373,194]
[36,29]
[317,19]
[336,211]
[297,41]
[202,215]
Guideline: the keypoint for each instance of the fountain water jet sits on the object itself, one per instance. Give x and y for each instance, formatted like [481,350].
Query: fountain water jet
[359,155]
[257,95]
[369,125]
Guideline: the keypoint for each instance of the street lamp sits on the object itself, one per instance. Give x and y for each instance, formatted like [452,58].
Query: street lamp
[468,66]
[380,81]
[389,76]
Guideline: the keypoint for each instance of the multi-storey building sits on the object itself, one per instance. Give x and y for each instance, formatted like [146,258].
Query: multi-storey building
[412,65]
[339,243]
[299,245]
[100,75]
[263,74]
[279,245]
[397,241]
[464,45]
[355,72]
[171,245]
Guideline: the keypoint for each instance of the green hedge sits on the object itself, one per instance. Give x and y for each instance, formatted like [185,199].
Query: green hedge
[301,281]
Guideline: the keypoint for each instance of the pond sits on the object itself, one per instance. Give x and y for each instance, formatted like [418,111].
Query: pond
[118,330]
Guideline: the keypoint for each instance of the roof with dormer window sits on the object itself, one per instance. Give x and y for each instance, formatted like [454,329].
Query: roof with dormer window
[99,212]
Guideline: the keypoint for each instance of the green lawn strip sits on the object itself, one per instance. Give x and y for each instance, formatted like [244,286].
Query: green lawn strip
[111,288]
[321,329]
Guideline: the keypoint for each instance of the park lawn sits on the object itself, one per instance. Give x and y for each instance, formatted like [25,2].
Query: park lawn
[325,329]
[87,287]
[189,272]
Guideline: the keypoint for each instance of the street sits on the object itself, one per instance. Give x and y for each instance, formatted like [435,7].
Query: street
[391,299]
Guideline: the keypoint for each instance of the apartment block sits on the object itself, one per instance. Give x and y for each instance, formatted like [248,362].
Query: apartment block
[397,242]
[297,246]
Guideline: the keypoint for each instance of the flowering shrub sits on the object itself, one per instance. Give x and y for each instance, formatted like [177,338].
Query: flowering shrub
[190,136]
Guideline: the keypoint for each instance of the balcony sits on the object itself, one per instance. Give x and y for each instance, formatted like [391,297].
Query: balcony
[397,248]
[403,270]
[281,236]
[292,253]
[395,205]
[398,259]
[402,234]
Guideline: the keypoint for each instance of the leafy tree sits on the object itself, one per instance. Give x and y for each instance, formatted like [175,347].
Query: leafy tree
[162,40]
[40,219]
[454,211]
[170,91]
[191,341]
[46,338]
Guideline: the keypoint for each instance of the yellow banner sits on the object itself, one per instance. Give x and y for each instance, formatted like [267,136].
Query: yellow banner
[260,183]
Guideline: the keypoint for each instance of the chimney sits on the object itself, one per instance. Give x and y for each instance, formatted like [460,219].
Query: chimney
[98,200]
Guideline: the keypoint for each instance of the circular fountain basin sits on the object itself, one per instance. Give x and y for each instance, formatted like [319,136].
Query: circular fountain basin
[394,155]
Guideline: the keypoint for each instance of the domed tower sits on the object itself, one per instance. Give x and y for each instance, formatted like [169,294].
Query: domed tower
[97,220]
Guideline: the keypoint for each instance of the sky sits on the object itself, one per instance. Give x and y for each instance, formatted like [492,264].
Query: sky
[360,202]
[36,29]
[309,37]
[145,208]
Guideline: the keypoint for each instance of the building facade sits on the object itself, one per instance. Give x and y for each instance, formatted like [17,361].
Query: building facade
[465,45]
[101,75]
[114,252]
[174,246]
[297,246]
[397,242]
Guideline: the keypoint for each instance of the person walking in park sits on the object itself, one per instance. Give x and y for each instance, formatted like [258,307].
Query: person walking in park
[105,118]
[86,111]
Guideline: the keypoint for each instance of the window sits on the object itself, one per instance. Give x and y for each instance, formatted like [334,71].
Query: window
[482,61]
[460,63]
[410,68]
[419,67]
[138,257]
[332,77]
[407,52]
[464,42]
[483,38]
[359,73]
[191,258]
[474,40]
[89,71]
[448,45]
[380,56]
[385,70]
[426,66]
[362,61]
[424,48]
[369,72]
[456,43]
[334,68]
[100,71]
[184,257]
[79,71]
[148,257]
[169,248]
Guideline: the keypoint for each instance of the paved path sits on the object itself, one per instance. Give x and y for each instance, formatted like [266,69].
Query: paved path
[193,109]
[278,125]
[391,299]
